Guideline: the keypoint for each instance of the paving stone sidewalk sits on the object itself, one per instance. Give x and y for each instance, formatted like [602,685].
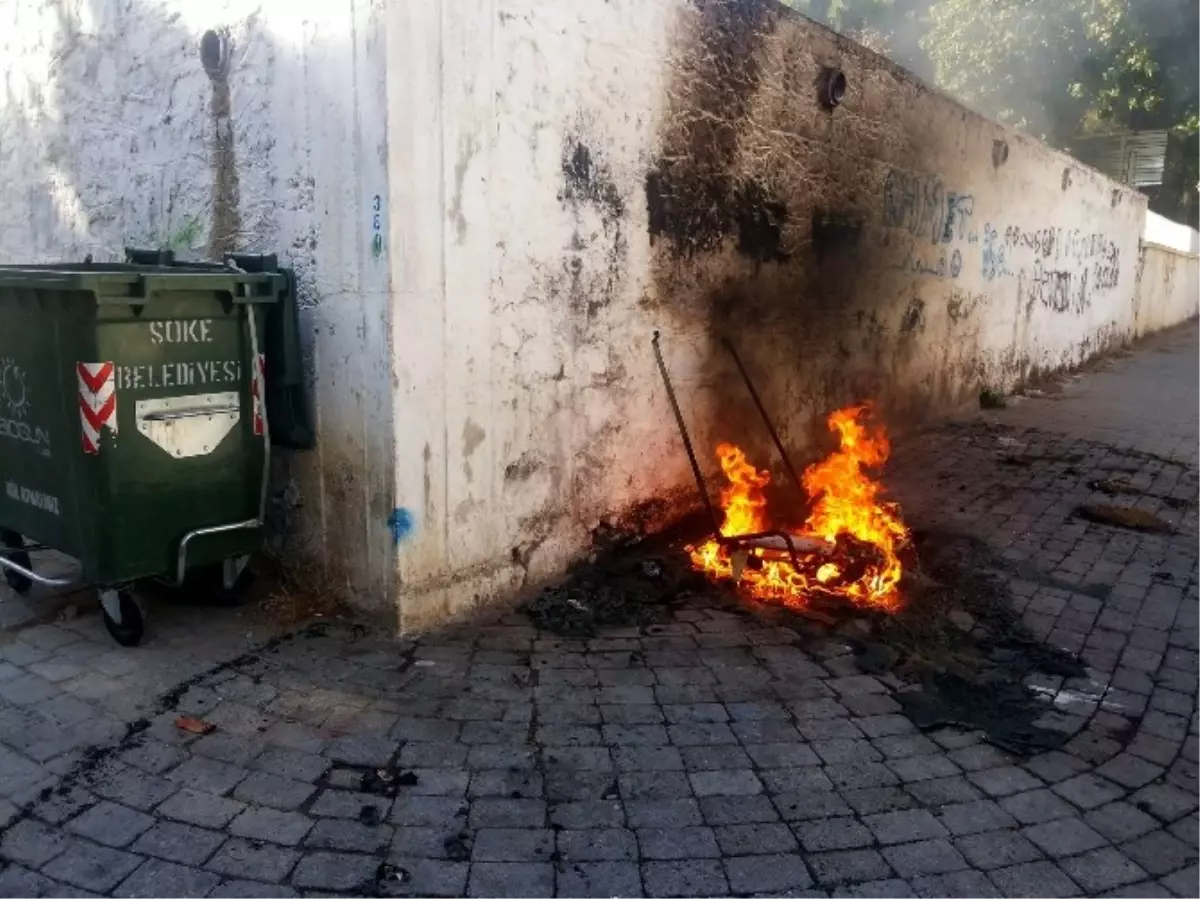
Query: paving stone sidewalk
[711,755]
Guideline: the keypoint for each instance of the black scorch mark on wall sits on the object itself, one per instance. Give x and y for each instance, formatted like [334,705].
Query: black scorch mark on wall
[696,214]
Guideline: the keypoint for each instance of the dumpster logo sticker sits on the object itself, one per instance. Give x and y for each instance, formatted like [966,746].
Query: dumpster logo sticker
[97,402]
[14,409]
[14,390]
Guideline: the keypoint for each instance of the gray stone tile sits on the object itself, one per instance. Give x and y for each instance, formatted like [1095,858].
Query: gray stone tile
[180,843]
[943,790]
[1065,836]
[997,849]
[1102,869]
[782,874]
[654,785]
[756,839]
[519,784]
[714,758]
[1036,806]
[1033,879]
[587,814]
[738,810]
[725,783]
[795,780]
[207,775]
[18,881]
[250,889]
[826,834]
[903,826]
[1004,780]
[32,843]
[132,787]
[1120,821]
[848,866]
[157,878]
[883,889]
[90,867]
[349,804]
[271,825]
[807,806]
[415,811]
[782,755]
[876,800]
[291,763]
[511,879]
[979,816]
[662,812]
[1182,883]
[427,877]
[1165,802]
[513,845]
[600,879]
[697,877]
[597,844]
[1160,853]
[504,813]
[956,883]
[253,860]
[1088,791]
[924,857]
[275,792]
[340,871]
[345,835]
[677,843]
[647,758]
[111,825]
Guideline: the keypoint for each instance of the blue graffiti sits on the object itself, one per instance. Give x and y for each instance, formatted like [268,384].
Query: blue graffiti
[994,258]
[401,523]
[921,205]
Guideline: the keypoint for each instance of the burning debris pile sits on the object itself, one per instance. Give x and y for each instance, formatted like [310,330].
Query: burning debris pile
[847,548]
[929,613]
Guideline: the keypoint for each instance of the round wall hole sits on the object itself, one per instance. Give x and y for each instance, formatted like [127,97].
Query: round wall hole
[214,54]
[831,87]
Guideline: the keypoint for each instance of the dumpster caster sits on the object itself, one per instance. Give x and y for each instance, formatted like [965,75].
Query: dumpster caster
[11,540]
[123,616]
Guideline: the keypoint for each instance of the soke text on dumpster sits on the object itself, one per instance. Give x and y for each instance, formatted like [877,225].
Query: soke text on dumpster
[179,374]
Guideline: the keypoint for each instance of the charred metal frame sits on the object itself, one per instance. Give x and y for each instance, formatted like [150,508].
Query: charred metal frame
[741,541]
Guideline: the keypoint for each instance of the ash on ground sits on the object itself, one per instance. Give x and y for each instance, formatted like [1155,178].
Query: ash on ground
[956,653]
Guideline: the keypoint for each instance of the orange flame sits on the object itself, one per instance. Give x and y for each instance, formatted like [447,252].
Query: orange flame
[846,504]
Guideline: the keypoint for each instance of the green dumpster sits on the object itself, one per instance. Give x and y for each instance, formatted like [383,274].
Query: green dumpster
[133,423]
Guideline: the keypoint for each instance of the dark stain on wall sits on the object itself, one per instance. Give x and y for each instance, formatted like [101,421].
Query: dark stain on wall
[696,214]
[588,182]
[695,199]
[836,235]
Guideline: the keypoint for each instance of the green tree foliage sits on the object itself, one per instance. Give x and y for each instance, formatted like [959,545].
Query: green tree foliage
[1054,67]
[1062,67]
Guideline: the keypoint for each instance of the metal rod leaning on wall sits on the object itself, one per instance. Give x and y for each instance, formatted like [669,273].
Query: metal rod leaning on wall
[687,441]
[787,461]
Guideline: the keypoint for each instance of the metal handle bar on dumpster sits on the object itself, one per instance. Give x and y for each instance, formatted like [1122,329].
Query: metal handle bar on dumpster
[258,389]
[32,575]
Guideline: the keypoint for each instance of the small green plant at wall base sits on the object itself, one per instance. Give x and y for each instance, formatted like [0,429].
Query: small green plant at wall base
[187,235]
[990,398]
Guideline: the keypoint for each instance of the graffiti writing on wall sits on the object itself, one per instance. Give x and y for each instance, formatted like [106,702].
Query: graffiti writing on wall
[377,226]
[1060,269]
[921,205]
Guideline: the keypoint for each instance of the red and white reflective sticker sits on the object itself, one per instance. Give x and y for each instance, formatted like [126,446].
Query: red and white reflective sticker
[256,389]
[97,401]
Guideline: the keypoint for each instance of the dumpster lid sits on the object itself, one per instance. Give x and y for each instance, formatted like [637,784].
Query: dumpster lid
[137,284]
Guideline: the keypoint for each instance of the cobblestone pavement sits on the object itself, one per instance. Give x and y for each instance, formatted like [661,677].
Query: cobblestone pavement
[711,755]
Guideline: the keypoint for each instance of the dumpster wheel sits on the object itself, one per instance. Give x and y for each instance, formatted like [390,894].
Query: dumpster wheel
[124,616]
[16,543]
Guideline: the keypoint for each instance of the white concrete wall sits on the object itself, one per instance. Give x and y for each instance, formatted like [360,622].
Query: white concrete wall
[1168,289]
[576,175]
[108,138]
[1172,235]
